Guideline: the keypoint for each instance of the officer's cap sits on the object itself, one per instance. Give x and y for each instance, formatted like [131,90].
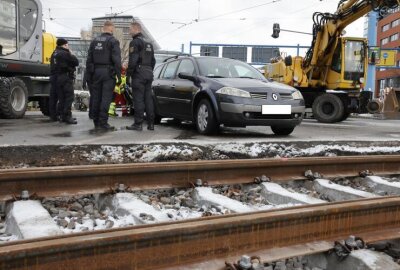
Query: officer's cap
[61,42]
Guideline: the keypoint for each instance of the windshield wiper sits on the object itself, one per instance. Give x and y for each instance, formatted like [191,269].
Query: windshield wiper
[215,77]
[246,77]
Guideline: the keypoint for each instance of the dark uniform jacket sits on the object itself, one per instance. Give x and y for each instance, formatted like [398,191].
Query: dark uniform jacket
[64,61]
[53,63]
[136,56]
[104,51]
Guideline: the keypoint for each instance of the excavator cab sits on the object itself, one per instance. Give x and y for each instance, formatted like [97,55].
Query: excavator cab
[25,51]
[24,47]
[349,64]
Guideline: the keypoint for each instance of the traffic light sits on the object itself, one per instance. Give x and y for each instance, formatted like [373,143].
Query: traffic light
[276,30]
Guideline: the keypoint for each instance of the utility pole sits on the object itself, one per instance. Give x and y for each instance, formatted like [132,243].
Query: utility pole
[372,37]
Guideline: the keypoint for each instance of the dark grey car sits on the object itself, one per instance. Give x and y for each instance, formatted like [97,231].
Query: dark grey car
[218,91]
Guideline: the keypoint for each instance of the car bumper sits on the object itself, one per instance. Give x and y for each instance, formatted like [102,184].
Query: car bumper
[241,115]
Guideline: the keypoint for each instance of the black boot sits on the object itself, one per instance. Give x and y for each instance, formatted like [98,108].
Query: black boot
[106,127]
[135,127]
[150,126]
[70,121]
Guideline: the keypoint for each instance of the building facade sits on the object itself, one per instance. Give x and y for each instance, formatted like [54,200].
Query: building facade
[122,31]
[389,38]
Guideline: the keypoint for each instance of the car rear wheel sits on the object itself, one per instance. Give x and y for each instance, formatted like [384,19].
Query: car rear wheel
[206,122]
[282,131]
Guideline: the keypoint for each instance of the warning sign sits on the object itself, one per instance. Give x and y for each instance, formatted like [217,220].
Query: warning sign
[388,58]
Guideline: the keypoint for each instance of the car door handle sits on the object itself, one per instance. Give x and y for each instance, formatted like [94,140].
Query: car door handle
[173,86]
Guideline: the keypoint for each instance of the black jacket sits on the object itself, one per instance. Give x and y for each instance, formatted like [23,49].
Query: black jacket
[114,51]
[135,47]
[65,62]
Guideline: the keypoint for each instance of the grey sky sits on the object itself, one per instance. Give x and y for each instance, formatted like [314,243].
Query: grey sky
[164,17]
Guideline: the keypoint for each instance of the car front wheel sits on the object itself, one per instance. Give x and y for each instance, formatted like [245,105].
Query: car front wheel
[282,131]
[206,121]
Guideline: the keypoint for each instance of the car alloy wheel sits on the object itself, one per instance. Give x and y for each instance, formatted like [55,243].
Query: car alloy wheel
[202,117]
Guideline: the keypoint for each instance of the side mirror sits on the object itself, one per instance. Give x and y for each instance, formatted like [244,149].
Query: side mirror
[187,76]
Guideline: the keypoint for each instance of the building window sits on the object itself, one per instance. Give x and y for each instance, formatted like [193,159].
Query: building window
[396,23]
[384,41]
[385,27]
[394,37]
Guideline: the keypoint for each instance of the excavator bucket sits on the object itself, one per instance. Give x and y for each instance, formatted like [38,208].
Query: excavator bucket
[388,106]
[391,101]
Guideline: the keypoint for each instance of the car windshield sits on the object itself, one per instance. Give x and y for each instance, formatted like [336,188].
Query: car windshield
[227,68]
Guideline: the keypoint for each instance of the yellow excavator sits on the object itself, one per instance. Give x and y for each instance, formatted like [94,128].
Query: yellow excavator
[25,51]
[332,74]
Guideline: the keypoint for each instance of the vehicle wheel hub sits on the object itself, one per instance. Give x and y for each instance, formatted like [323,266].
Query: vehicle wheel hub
[328,108]
[202,117]
[18,98]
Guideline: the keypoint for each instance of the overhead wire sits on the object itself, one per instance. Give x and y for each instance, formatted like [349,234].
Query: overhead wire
[218,16]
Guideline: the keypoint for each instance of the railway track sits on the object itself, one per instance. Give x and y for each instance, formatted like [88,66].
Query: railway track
[207,242]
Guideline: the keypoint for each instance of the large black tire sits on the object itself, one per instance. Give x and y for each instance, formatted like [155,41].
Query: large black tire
[44,104]
[13,98]
[282,131]
[328,108]
[345,116]
[205,119]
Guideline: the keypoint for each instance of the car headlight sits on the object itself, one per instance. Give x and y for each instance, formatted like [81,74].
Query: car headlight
[297,95]
[230,91]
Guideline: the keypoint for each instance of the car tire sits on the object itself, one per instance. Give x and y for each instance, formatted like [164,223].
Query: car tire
[328,108]
[282,131]
[205,119]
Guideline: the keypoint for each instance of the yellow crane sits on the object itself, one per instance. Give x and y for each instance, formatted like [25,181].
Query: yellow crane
[25,51]
[332,73]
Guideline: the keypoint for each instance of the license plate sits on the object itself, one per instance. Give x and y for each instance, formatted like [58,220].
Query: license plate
[276,109]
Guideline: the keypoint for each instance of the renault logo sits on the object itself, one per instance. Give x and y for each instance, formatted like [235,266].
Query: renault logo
[275,97]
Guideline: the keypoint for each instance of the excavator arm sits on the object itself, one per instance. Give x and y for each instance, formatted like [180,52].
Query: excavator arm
[329,27]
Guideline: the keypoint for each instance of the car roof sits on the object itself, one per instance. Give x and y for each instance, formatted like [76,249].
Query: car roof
[180,57]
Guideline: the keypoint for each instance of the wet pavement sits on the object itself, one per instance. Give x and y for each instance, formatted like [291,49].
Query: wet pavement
[36,129]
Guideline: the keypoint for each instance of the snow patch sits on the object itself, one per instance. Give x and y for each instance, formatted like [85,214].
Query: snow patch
[205,195]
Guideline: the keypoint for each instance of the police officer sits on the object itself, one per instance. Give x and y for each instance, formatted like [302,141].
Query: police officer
[66,64]
[53,100]
[140,69]
[104,57]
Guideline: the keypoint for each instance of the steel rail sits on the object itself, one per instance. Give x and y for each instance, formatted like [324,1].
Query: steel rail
[183,243]
[75,180]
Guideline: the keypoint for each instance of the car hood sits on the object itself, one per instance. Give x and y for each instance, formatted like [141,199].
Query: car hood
[252,85]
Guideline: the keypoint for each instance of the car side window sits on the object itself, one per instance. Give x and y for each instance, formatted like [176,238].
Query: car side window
[170,70]
[157,71]
[186,66]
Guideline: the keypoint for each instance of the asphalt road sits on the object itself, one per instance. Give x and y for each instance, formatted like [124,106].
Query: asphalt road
[36,129]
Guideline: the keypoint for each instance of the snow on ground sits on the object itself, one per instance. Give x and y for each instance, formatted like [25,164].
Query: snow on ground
[280,150]
[206,196]
[146,153]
